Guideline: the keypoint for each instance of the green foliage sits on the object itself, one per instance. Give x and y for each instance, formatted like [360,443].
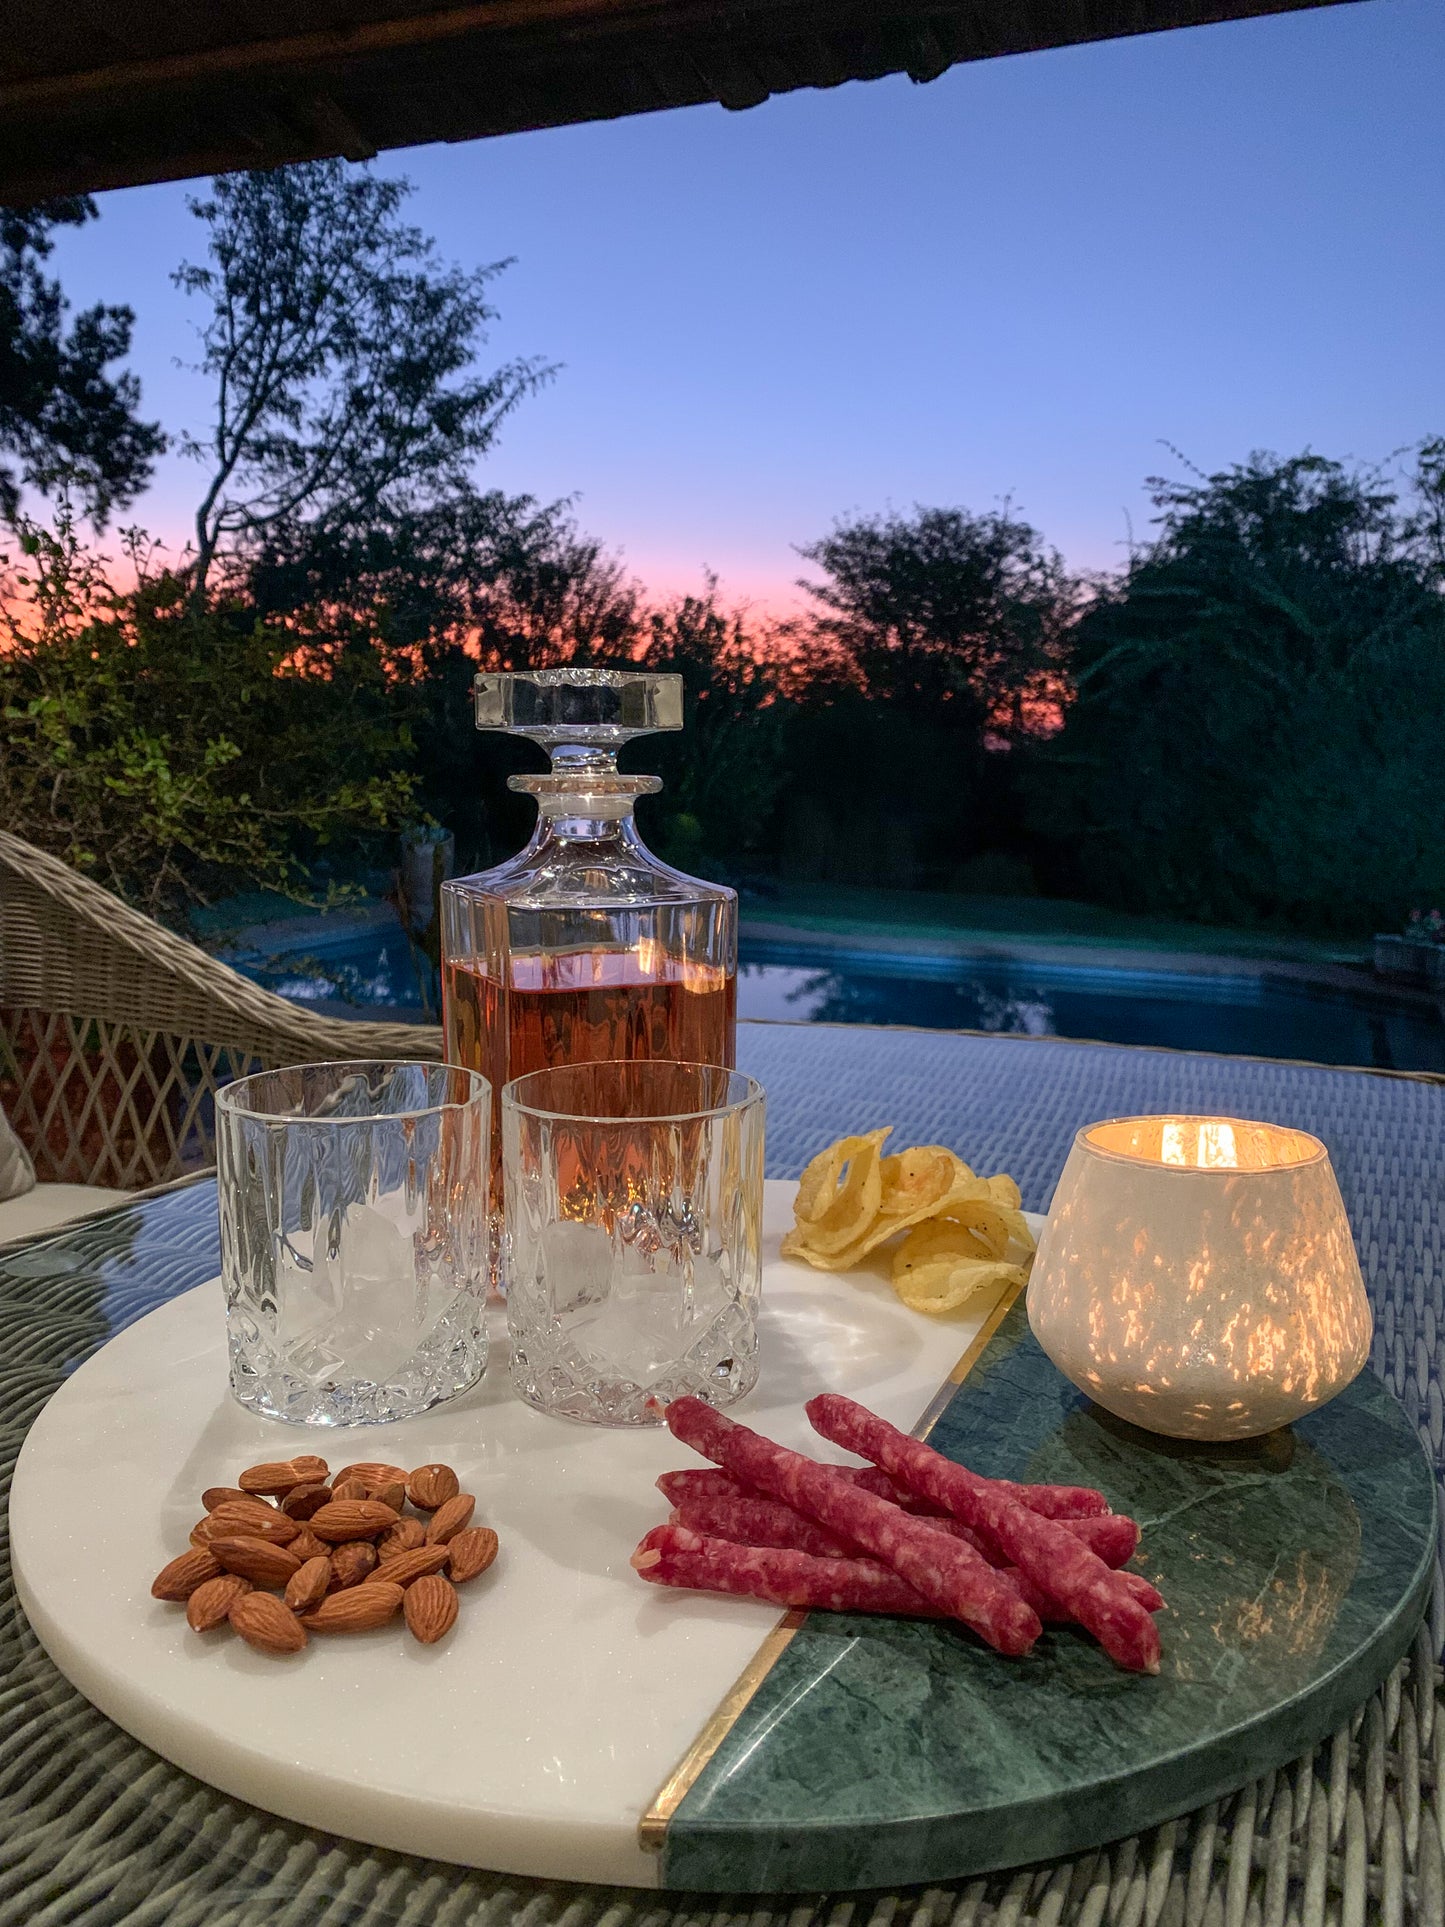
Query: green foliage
[1255,731]
[172,753]
[61,413]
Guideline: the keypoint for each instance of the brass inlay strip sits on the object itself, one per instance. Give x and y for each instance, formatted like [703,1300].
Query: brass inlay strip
[652,1827]
[938,1404]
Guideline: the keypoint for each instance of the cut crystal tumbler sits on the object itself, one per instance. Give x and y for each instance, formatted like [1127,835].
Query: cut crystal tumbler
[634,1197]
[354,1238]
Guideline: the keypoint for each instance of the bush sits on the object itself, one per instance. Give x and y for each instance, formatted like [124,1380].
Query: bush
[173,753]
[994,874]
[1253,735]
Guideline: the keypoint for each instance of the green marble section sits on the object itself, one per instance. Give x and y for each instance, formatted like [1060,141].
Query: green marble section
[886,1752]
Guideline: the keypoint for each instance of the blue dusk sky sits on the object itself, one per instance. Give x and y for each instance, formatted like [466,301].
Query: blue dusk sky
[1016,282]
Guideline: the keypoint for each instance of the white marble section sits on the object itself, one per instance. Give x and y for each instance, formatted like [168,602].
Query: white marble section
[533,1738]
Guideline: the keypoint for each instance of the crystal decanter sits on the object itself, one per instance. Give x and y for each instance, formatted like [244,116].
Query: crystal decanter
[584,945]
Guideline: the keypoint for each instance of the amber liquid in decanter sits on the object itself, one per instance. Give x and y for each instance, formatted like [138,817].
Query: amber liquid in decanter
[585,946]
[590,1004]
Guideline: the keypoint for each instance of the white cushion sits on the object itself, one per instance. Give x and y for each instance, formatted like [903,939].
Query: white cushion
[17,1173]
[49,1205]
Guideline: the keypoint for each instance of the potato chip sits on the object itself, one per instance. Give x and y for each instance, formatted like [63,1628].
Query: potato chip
[840,1192]
[994,1225]
[878,1233]
[796,1245]
[915,1184]
[935,1239]
[915,1181]
[944,1284]
[967,1186]
[818,1186]
[852,1199]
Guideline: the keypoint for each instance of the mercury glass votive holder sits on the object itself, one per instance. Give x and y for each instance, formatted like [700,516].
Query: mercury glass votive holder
[1197,1275]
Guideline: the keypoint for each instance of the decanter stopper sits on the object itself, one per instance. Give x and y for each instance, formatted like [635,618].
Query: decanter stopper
[581,716]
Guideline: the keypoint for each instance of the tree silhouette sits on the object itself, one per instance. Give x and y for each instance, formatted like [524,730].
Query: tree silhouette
[959,619]
[1255,728]
[61,413]
[341,356]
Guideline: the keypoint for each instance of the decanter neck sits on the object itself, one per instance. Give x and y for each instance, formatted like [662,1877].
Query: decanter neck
[586,801]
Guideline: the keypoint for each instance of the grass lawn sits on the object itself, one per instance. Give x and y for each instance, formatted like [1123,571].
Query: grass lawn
[902,913]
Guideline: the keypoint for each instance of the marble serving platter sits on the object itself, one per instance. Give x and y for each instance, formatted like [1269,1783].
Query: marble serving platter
[580,1725]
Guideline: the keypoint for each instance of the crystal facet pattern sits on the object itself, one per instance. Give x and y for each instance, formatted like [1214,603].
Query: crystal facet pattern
[354,1238]
[633,1200]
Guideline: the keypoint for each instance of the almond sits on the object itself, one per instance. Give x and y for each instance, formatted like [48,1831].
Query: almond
[350,1564]
[351,1519]
[254,1512]
[470,1552]
[181,1577]
[357,1610]
[304,1500]
[450,1518]
[372,1472]
[275,1478]
[345,1489]
[430,1607]
[307,1586]
[314,1470]
[393,1495]
[432,1485]
[253,1559]
[405,1536]
[249,1522]
[209,1604]
[215,1495]
[263,1622]
[307,1546]
[407,1566]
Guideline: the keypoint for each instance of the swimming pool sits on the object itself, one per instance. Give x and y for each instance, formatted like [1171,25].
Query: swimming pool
[1244,1015]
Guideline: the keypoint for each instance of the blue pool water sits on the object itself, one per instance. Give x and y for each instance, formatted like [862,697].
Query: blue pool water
[1244,1015]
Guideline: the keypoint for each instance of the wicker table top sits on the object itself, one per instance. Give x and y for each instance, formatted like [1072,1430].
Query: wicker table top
[94,1828]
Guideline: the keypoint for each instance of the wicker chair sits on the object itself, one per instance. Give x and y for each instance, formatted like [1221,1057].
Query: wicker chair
[115,1034]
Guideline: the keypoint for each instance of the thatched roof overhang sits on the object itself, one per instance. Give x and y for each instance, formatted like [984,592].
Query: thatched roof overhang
[95,95]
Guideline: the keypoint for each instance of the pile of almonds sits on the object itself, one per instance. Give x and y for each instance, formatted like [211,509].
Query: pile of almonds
[289,1551]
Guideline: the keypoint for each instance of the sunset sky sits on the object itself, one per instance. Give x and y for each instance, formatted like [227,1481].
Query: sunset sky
[1018,281]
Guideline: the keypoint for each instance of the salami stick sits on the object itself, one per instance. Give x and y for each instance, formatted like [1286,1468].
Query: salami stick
[1110,1536]
[768,1523]
[750,1521]
[673,1556]
[947,1572]
[1053,1558]
[1067,1502]
[1052,1613]
[711,1502]
[679,1555]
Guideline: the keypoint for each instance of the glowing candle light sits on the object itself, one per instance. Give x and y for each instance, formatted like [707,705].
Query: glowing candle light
[1197,1275]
